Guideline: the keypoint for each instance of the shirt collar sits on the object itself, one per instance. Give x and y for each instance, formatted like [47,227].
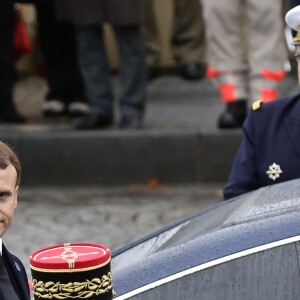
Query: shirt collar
[0,246]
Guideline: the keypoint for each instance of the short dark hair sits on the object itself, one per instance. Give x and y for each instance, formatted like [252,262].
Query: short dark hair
[8,156]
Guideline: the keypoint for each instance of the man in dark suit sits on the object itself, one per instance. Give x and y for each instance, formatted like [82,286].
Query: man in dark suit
[270,150]
[13,278]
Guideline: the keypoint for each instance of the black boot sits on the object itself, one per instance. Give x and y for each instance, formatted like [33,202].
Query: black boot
[93,120]
[192,71]
[234,116]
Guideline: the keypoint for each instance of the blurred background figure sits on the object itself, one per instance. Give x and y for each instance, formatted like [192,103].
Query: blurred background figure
[125,17]
[8,112]
[244,74]
[187,38]
[57,41]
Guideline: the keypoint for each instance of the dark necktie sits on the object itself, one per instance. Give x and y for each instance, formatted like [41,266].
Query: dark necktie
[6,289]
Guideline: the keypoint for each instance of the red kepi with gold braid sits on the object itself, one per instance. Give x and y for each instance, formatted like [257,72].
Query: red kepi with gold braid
[72,271]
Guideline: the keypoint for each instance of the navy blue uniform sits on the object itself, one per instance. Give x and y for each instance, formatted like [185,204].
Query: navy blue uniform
[271,136]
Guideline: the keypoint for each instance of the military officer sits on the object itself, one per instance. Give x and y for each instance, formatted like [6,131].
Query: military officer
[270,149]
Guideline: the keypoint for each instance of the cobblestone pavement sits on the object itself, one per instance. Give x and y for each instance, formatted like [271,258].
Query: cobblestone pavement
[111,216]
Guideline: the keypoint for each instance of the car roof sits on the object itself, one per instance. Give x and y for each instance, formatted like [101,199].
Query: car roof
[258,218]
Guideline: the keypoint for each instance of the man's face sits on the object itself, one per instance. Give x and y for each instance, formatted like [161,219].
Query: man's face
[8,196]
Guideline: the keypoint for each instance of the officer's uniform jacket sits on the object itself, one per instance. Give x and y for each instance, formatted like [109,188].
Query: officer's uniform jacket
[270,149]
[17,274]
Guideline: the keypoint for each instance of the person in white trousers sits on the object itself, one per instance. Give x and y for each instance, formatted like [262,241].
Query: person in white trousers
[246,53]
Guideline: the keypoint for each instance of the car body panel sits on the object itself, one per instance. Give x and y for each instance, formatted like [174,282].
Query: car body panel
[257,219]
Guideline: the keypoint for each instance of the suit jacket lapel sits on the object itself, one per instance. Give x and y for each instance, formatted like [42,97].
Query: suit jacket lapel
[16,274]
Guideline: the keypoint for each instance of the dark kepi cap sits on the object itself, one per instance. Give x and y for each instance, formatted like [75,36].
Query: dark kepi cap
[72,271]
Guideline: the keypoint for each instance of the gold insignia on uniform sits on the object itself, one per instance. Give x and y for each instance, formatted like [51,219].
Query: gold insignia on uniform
[274,171]
[257,105]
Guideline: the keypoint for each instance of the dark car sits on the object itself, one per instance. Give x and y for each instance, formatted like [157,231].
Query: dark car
[244,248]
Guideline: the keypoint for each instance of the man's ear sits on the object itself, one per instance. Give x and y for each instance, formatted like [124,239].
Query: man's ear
[16,195]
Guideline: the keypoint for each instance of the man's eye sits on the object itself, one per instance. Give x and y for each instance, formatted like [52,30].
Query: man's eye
[4,195]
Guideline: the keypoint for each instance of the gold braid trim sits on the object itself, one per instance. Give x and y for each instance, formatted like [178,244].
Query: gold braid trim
[73,290]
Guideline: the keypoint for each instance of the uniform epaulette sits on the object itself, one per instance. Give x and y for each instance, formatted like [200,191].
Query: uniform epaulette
[257,105]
